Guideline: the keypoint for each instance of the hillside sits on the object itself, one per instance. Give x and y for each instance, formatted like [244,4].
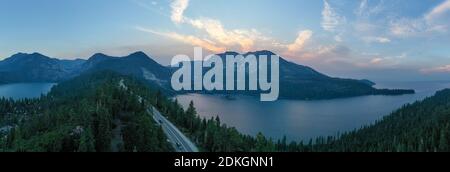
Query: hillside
[93,112]
[302,82]
[90,113]
[420,127]
[35,67]
[138,65]
[296,81]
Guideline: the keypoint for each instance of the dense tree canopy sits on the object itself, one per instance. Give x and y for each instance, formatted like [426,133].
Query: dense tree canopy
[86,114]
[423,126]
[95,112]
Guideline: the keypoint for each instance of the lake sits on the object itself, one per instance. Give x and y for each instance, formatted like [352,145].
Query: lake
[25,90]
[298,120]
[302,120]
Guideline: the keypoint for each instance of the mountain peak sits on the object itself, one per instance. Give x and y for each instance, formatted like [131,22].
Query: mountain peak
[19,56]
[97,58]
[262,52]
[257,53]
[138,53]
[97,55]
[228,53]
[36,54]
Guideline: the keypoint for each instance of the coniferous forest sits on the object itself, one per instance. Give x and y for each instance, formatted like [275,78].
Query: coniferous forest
[108,112]
[91,113]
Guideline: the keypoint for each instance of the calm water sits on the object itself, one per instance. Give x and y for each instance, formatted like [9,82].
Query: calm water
[302,120]
[25,90]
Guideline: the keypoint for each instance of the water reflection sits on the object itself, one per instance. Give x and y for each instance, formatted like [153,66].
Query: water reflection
[301,120]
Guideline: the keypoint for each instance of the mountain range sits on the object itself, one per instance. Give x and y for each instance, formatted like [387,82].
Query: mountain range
[296,81]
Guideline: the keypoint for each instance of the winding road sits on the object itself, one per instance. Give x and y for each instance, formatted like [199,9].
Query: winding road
[178,140]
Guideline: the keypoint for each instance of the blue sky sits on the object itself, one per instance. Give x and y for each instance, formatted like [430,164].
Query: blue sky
[375,39]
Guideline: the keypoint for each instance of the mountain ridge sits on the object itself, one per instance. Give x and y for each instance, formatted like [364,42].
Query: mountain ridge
[296,81]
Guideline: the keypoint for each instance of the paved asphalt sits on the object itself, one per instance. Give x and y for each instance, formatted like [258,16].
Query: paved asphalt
[178,140]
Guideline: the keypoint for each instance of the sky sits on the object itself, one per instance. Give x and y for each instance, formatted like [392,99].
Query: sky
[373,39]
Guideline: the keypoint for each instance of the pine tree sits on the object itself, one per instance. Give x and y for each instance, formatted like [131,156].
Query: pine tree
[87,141]
[104,135]
[443,141]
[191,114]
[2,143]
[283,144]
[17,142]
[146,135]
[260,143]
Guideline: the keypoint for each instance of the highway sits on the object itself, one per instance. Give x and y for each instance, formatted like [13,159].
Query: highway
[178,140]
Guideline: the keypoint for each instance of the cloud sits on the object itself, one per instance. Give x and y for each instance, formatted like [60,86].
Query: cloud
[246,39]
[438,11]
[151,6]
[302,38]
[385,61]
[339,56]
[330,18]
[216,37]
[362,8]
[377,60]
[382,62]
[365,11]
[369,25]
[323,53]
[439,69]
[374,18]
[178,8]
[405,27]
[426,24]
[382,40]
[189,39]
[338,38]
[415,27]
[243,38]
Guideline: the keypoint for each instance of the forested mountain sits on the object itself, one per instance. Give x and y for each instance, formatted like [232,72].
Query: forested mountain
[305,83]
[420,127]
[296,81]
[36,68]
[92,112]
[138,65]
